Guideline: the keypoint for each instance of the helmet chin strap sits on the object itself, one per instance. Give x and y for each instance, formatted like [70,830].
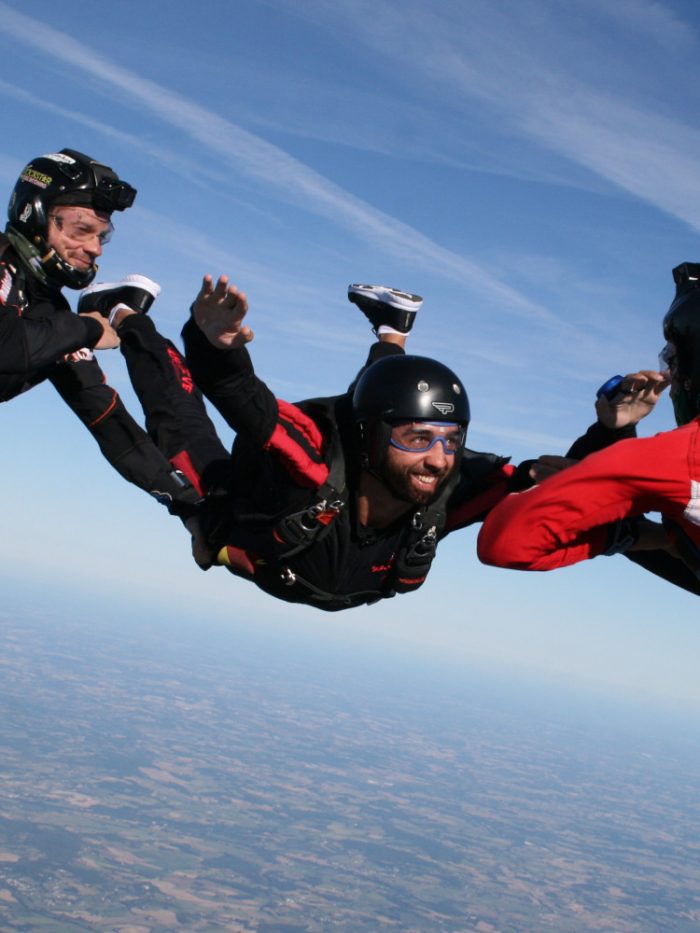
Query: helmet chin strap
[49,268]
[62,273]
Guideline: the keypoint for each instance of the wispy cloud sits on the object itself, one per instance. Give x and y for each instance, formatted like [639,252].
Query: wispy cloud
[548,92]
[193,171]
[653,21]
[375,119]
[269,165]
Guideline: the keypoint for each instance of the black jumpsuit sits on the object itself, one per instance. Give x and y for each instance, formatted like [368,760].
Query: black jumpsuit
[42,339]
[282,457]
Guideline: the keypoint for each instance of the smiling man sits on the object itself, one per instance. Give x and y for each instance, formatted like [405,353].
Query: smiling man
[341,501]
[59,219]
[420,457]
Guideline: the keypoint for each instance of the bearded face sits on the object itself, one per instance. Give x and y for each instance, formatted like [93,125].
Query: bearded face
[419,459]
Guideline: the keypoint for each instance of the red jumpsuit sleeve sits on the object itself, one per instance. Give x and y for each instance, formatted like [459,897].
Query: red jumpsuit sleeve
[477,502]
[565,520]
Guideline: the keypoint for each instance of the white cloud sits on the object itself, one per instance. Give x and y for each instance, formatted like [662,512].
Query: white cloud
[549,79]
[269,165]
[651,20]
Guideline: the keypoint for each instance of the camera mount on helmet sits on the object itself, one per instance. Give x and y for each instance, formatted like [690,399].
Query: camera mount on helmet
[65,177]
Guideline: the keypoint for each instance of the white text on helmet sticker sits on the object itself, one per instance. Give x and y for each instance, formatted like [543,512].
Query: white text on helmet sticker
[59,157]
[444,407]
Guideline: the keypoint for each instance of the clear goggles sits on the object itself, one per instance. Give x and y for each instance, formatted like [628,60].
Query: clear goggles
[417,437]
[77,228]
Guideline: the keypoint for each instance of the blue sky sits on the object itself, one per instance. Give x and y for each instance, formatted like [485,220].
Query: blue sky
[530,168]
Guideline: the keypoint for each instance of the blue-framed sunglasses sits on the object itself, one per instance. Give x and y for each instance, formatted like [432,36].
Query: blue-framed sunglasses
[417,441]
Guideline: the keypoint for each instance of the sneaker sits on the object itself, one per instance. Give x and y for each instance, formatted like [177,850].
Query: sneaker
[389,310]
[135,292]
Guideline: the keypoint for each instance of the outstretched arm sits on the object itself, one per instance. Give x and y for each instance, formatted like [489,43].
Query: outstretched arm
[569,517]
[651,548]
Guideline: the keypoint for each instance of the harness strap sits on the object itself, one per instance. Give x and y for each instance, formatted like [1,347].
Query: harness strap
[290,578]
[302,529]
[418,547]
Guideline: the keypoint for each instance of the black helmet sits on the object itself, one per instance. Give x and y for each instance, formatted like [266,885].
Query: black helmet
[65,177]
[399,388]
[682,352]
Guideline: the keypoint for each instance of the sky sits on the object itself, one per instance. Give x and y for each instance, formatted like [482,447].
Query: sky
[529,167]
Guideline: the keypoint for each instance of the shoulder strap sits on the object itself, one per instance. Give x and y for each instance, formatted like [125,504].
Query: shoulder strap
[302,529]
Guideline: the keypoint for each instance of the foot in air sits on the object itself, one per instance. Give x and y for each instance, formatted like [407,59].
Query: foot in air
[389,310]
[134,293]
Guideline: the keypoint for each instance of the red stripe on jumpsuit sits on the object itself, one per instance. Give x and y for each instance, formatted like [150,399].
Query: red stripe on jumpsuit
[303,465]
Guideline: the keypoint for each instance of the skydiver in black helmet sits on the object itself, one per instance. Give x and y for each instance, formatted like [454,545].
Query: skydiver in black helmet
[59,219]
[341,501]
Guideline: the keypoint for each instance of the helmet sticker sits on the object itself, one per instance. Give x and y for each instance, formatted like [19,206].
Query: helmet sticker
[26,212]
[445,408]
[60,157]
[36,178]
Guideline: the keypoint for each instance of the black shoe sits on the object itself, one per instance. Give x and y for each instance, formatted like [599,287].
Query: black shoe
[135,291]
[388,309]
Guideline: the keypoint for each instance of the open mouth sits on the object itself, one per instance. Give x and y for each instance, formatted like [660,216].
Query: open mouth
[425,480]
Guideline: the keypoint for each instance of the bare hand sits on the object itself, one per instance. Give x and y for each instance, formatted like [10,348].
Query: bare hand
[548,465]
[638,396]
[109,339]
[219,310]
